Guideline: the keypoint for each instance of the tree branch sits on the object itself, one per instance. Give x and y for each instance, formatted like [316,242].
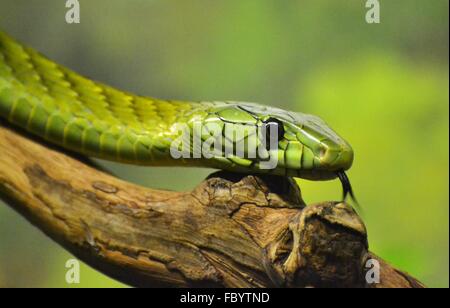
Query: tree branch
[230,231]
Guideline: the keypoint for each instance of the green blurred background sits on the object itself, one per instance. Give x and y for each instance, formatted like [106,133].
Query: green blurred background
[384,87]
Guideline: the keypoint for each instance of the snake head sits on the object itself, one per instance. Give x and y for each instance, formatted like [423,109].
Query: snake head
[322,148]
[305,146]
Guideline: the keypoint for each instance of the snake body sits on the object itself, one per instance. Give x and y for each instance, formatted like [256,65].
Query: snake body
[88,117]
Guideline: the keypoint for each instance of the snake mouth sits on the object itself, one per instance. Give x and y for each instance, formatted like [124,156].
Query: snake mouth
[346,186]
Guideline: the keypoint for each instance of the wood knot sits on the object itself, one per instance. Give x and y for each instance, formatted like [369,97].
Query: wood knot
[322,247]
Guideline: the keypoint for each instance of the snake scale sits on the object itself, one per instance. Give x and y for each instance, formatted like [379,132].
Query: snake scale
[88,117]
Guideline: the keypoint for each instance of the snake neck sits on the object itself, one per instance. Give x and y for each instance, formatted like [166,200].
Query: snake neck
[88,117]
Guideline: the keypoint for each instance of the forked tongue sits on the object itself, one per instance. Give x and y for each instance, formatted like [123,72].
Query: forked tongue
[347,188]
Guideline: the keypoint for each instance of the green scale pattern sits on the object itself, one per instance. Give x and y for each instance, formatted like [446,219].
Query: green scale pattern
[82,115]
[94,119]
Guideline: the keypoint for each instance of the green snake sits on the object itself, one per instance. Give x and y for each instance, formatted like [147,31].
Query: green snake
[93,119]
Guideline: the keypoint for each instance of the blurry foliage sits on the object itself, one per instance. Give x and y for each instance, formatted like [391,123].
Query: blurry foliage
[395,115]
[383,87]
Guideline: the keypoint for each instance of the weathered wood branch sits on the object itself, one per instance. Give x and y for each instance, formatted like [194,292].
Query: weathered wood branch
[230,231]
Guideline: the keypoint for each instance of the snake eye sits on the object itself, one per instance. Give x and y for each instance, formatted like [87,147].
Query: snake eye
[273,127]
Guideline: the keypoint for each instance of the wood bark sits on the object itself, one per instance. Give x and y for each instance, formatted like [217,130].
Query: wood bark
[230,231]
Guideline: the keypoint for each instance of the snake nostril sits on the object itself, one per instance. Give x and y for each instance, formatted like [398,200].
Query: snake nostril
[322,152]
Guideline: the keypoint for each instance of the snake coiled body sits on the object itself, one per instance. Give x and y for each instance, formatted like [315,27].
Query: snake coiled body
[94,119]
